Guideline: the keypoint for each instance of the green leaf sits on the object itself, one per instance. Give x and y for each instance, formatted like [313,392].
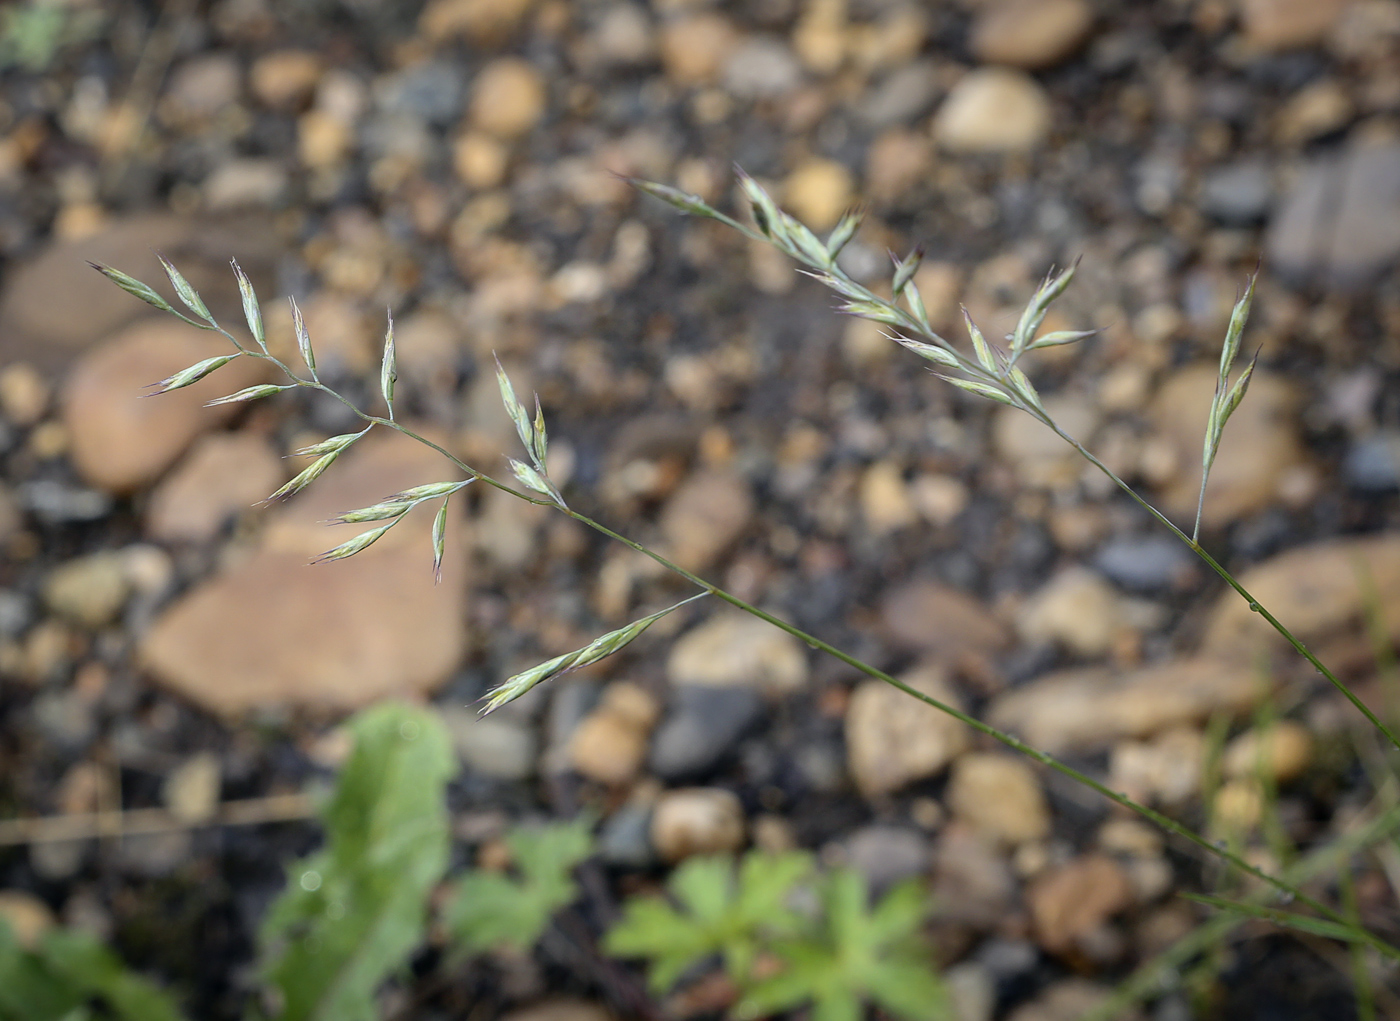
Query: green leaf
[491,909]
[857,955]
[714,912]
[67,970]
[353,912]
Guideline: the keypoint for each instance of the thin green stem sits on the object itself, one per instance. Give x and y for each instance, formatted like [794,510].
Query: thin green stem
[1227,577]
[1010,741]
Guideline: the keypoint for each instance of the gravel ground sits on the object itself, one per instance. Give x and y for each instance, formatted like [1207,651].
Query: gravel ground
[163,643]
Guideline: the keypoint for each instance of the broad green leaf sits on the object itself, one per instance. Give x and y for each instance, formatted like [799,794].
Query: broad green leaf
[715,912]
[491,909]
[353,912]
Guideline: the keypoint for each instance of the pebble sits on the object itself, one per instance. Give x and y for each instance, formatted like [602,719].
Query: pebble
[993,110]
[885,499]
[904,95]
[223,475]
[887,855]
[201,88]
[819,192]
[323,140]
[761,67]
[24,394]
[999,796]
[623,36]
[1283,752]
[430,92]
[735,649]
[1259,449]
[1341,218]
[122,440]
[892,739]
[486,23]
[480,160]
[90,590]
[1067,1000]
[972,879]
[704,726]
[972,991]
[1315,590]
[57,504]
[508,98]
[1317,109]
[331,636]
[1030,34]
[1040,458]
[495,746]
[1166,769]
[1274,25]
[694,47]
[706,514]
[191,790]
[246,184]
[1372,463]
[624,840]
[1073,900]
[1146,563]
[1077,609]
[610,743]
[285,79]
[697,820]
[27,916]
[933,618]
[1238,195]
[898,161]
[1083,710]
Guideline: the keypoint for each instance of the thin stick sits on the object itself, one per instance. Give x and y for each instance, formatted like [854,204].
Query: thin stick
[88,825]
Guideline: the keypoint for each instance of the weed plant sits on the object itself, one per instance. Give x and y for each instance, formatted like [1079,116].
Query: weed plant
[323,967]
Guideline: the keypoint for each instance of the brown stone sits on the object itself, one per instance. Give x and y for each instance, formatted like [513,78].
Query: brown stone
[697,820]
[892,739]
[1088,710]
[704,516]
[508,98]
[285,78]
[122,438]
[223,474]
[735,649]
[275,630]
[610,743]
[999,796]
[1320,592]
[55,305]
[695,47]
[1076,898]
[484,22]
[1031,34]
[1288,24]
[926,616]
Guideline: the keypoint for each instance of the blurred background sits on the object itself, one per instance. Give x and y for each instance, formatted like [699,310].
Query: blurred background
[165,649]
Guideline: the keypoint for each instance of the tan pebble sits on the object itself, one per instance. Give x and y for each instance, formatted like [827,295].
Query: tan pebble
[1030,34]
[1276,25]
[1076,898]
[285,78]
[27,917]
[697,820]
[225,474]
[487,23]
[897,162]
[1284,752]
[999,796]
[480,160]
[818,192]
[191,790]
[892,740]
[323,140]
[694,47]
[885,499]
[508,98]
[993,110]
[737,649]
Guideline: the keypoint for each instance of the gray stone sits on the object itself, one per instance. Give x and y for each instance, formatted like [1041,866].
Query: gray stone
[886,855]
[57,503]
[1366,237]
[1372,465]
[625,839]
[432,92]
[1150,563]
[1239,194]
[903,95]
[16,612]
[500,748]
[1299,229]
[703,727]
[761,68]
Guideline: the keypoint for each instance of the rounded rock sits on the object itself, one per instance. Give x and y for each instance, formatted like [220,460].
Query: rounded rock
[993,110]
[1000,797]
[508,98]
[1031,34]
[697,820]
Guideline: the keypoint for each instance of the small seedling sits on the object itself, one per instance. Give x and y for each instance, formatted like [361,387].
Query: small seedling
[711,911]
[490,910]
